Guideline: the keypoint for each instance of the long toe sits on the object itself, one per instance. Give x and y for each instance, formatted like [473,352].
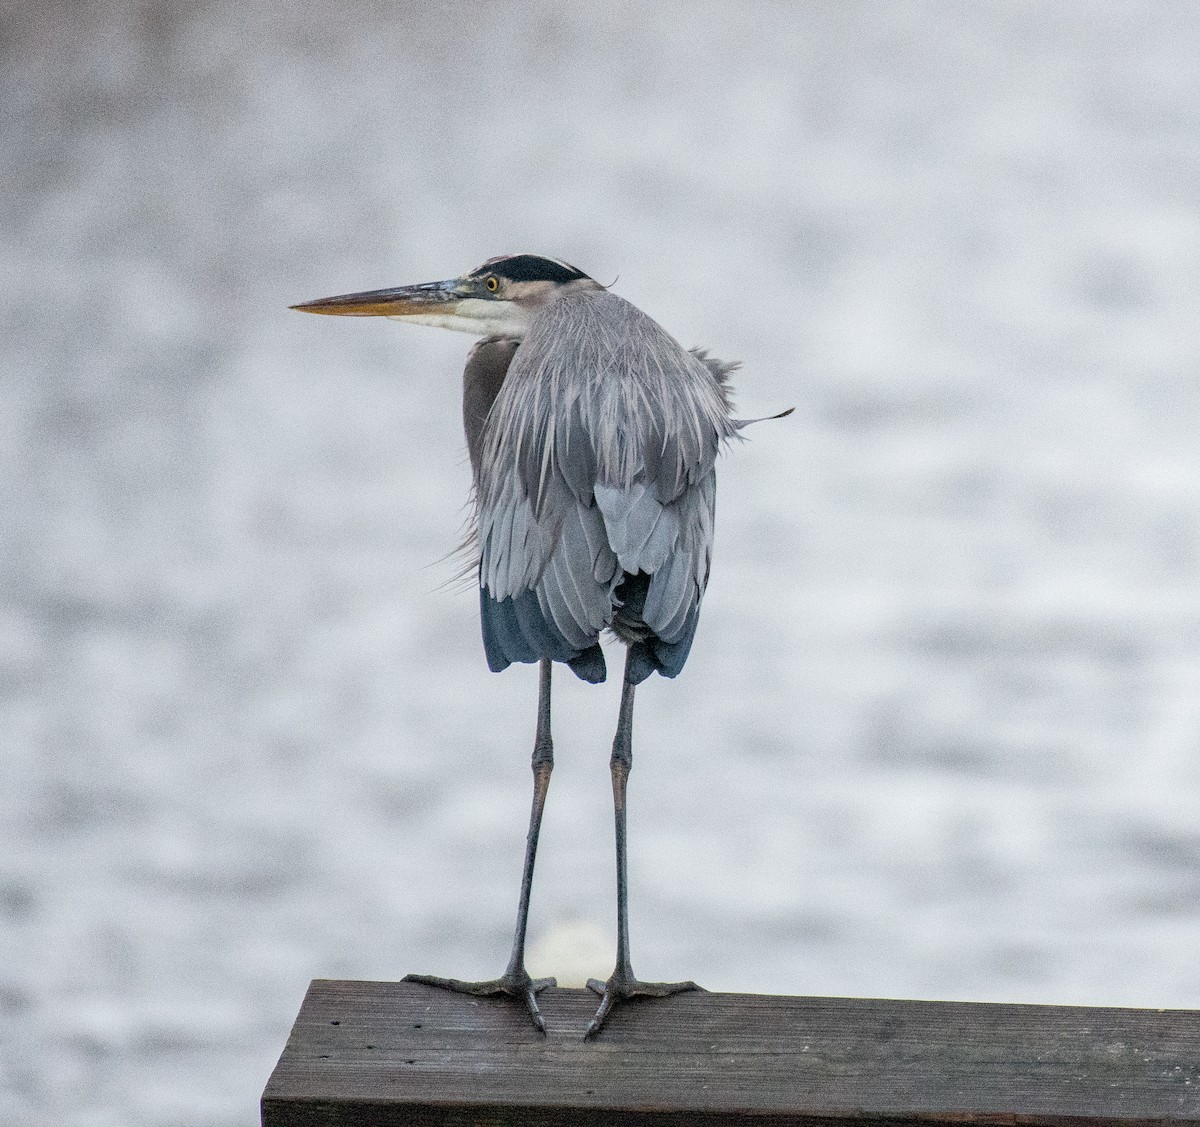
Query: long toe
[518,985]
[531,1004]
[620,988]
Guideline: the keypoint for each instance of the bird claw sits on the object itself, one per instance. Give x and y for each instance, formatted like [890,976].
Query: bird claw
[623,986]
[513,984]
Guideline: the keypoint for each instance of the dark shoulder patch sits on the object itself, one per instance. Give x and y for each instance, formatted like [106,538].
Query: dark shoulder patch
[530,268]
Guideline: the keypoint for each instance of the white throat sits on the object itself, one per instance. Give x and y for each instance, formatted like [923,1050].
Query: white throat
[478,317]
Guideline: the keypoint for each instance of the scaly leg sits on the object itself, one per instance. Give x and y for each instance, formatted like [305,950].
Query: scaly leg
[515,981]
[624,983]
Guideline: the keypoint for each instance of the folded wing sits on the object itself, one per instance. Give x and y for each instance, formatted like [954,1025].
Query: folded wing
[595,493]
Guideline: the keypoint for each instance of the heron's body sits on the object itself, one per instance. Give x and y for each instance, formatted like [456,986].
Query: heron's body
[593,437]
[595,486]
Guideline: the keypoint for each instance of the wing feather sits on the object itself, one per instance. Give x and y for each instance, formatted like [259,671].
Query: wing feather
[558,598]
[503,641]
[539,630]
[604,559]
[589,596]
[677,588]
[671,594]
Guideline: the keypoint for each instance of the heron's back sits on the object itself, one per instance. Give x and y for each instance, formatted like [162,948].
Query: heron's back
[596,490]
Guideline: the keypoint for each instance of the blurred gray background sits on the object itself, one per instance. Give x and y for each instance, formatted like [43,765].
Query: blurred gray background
[939,734]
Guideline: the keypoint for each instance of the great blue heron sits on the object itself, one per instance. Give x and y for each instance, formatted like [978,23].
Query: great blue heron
[592,436]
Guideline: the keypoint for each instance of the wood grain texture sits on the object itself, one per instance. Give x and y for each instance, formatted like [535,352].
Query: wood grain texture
[365,1054]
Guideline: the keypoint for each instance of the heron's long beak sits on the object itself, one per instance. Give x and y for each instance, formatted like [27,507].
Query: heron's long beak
[440,299]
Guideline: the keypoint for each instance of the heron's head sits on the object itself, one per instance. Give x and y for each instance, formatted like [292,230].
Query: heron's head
[498,298]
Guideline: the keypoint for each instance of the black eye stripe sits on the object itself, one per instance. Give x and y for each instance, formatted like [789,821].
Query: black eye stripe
[533,268]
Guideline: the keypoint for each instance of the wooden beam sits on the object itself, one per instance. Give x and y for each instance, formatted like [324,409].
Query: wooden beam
[366,1054]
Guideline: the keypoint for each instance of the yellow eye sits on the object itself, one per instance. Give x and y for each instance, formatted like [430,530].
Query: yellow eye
[493,283]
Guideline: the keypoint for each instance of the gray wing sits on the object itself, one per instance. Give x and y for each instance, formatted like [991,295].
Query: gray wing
[546,572]
[596,490]
[487,365]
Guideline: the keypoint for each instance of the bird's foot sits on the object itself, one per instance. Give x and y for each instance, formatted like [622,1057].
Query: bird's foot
[622,986]
[516,984]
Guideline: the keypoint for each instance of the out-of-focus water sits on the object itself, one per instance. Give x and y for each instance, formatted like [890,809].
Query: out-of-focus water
[939,734]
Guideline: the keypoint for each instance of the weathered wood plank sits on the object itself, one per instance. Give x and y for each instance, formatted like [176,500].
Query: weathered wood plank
[365,1054]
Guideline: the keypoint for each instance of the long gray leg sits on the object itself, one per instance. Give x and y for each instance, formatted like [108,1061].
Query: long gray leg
[515,981]
[624,983]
